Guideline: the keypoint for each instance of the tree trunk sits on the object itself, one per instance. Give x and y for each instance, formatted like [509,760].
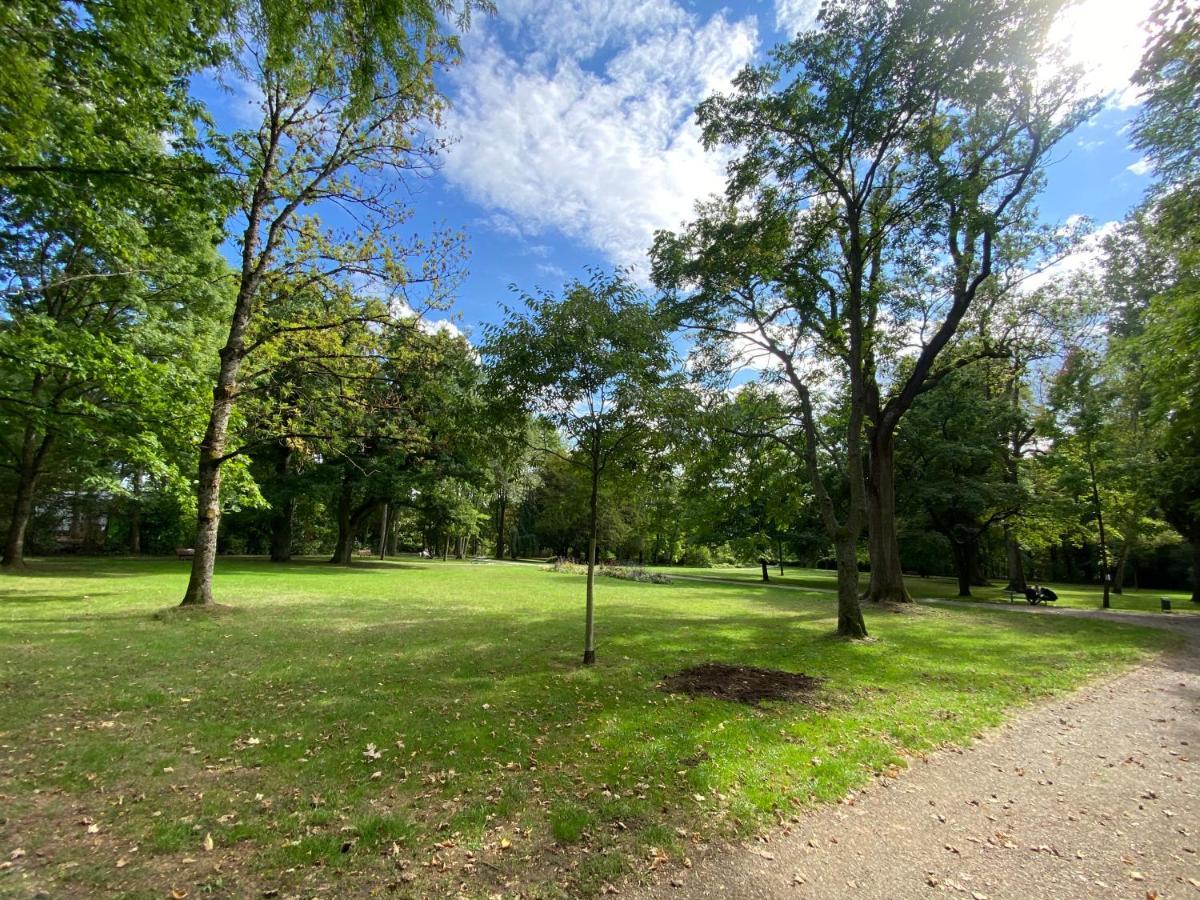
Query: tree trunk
[962,566]
[343,548]
[1196,570]
[212,447]
[383,533]
[589,630]
[974,560]
[850,617]
[281,516]
[1105,574]
[779,547]
[766,577]
[1016,563]
[887,575]
[135,516]
[1118,581]
[33,456]
[501,509]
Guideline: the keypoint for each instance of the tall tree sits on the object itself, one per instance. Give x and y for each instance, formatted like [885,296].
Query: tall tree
[107,233]
[347,87]
[1168,130]
[898,140]
[590,362]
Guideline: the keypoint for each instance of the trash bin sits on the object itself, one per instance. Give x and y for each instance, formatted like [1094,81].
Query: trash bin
[1166,603]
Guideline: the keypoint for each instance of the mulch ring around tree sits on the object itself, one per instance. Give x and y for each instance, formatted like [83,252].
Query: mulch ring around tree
[741,684]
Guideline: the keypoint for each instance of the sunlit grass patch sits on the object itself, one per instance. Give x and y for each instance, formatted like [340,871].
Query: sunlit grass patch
[426,724]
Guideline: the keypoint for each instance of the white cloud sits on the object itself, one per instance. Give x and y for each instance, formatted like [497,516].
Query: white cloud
[792,16]
[605,153]
[1142,167]
[1085,258]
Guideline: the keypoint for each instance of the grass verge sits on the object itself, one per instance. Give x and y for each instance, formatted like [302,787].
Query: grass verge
[427,727]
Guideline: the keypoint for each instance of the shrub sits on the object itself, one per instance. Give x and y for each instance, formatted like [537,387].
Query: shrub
[635,574]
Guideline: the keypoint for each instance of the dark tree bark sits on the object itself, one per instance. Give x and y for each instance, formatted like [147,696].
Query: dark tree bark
[501,509]
[1016,563]
[29,469]
[962,566]
[383,534]
[887,575]
[281,516]
[1196,569]
[975,561]
[1118,581]
[850,617]
[349,519]
[135,516]
[766,576]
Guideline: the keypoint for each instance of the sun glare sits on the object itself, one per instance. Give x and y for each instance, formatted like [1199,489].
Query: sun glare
[1105,38]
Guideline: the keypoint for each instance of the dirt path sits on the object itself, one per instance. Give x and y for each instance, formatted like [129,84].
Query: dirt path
[1096,794]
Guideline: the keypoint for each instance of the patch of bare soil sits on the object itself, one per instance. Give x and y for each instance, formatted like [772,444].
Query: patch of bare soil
[741,684]
[205,609]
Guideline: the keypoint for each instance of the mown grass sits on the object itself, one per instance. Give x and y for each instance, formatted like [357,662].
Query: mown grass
[1075,596]
[426,727]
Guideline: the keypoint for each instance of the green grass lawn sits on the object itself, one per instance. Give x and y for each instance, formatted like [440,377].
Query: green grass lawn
[1073,595]
[426,726]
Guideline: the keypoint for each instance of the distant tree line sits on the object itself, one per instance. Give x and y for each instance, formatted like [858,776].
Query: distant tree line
[843,360]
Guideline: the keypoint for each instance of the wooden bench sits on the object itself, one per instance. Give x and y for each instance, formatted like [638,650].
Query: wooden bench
[364,552]
[185,552]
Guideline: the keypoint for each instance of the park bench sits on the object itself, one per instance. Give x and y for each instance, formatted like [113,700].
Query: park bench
[365,551]
[1035,595]
[184,552]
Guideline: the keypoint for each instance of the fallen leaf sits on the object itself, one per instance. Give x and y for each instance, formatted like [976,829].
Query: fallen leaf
[208,841]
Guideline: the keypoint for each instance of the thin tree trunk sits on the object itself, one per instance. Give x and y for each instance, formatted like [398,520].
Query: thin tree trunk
[962,566]
[383,533]
[850,617]
[343,548]
[283,510]
[1016,563]
[887,574]
[974,561]
[33,456]
[779,547]
[1196,570]
[766,576]
[502,508]
[135,516]
[1118,581]
[1105,574]
[589,631]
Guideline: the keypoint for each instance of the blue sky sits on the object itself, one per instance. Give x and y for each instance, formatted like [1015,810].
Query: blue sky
[575,137]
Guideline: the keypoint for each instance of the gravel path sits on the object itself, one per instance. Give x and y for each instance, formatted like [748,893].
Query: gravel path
[1096,794]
